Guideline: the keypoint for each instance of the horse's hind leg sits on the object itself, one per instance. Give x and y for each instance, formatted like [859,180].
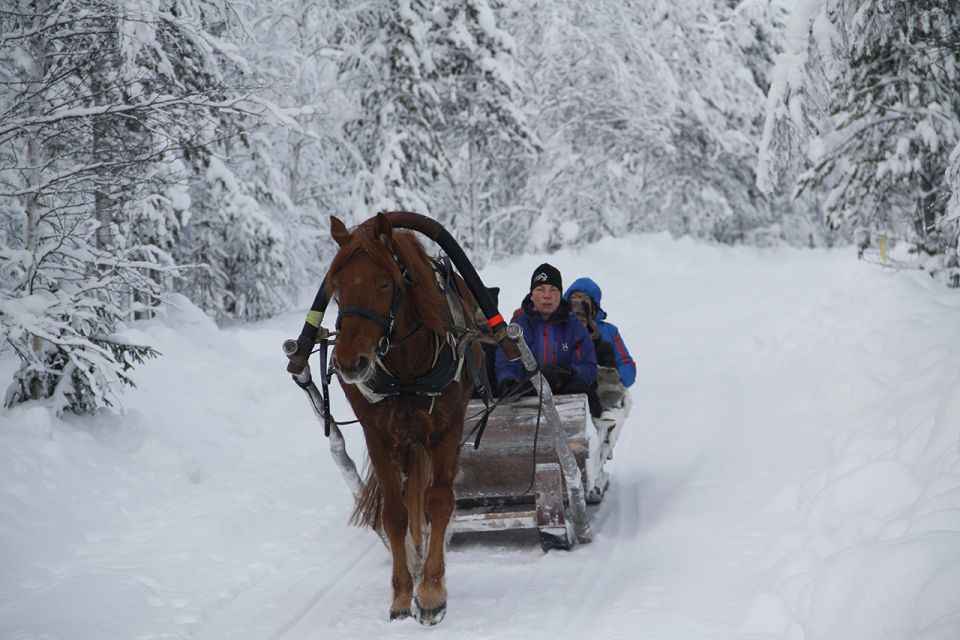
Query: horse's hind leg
[431,597]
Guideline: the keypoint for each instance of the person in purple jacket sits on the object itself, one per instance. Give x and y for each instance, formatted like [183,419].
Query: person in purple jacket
[558,340]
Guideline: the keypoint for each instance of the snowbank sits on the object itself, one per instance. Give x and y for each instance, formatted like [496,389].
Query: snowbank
[877,553]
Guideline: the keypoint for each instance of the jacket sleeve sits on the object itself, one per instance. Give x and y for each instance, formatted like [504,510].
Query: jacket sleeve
[584,357]
[625,364]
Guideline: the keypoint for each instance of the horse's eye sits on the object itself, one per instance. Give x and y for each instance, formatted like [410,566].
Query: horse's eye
[384,286]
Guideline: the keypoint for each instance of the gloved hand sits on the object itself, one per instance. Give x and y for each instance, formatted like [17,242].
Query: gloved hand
[556,376]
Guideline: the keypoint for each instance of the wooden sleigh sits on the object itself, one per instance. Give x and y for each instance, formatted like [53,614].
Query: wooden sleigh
[503,486]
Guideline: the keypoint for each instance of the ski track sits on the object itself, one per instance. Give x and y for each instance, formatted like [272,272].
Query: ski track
[294,604]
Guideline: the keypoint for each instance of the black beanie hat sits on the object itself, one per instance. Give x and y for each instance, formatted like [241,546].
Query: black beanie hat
[546,274]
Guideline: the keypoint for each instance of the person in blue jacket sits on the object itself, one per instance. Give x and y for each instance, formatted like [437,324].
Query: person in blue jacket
[558,340]
[608,331]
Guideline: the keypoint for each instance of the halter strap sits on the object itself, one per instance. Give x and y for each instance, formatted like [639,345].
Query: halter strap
[389,330]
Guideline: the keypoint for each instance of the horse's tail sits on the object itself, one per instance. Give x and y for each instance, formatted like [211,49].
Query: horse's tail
[366,509]
[368,506]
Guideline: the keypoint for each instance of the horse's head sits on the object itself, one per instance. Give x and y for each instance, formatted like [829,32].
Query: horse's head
[367,283]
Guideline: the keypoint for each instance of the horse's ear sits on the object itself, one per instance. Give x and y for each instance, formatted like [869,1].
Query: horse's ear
[383,229]
[339,231]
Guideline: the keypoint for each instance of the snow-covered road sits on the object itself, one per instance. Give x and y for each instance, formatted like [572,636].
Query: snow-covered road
[790,470]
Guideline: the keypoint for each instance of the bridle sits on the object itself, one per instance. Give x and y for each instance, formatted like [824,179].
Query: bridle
[388,322]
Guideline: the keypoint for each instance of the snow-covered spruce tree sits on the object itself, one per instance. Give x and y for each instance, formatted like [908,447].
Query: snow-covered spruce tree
[486,135]
[890,119]
[97,129]
[66,282]
[398,115]
[436,121]
[234,237]
[720,56]
[313,172]
[239,249]
[589,78]
[649,114]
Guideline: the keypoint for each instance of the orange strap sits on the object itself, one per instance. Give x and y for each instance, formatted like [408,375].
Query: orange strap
[495,320]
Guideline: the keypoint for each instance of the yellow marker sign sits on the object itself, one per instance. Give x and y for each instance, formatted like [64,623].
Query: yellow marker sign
[314,318]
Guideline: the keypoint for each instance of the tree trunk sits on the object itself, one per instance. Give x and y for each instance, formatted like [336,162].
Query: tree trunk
[101,201]
[35,210]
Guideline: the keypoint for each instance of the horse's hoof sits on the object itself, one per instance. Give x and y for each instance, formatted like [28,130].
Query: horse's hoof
[399,614]
[430,615]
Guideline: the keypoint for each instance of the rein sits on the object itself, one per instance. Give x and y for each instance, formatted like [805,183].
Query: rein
[324,392]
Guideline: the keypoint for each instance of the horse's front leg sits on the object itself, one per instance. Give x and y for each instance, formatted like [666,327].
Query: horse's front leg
[431,598]
[395,526]
[394,514]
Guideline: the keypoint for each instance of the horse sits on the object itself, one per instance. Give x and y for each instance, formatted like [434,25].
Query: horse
[394,318]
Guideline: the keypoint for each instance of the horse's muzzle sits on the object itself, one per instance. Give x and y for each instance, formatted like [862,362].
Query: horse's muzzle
[360,370]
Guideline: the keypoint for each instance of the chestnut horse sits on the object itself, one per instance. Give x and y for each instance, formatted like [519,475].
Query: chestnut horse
[393,317]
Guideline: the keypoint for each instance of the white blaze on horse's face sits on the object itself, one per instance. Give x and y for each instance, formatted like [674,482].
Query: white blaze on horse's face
[360,284]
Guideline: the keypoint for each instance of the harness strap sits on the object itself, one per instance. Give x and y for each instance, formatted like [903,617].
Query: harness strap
[389,334]
[448,285]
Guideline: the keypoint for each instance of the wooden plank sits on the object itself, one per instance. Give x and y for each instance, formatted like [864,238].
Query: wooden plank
[516,423]
[504,465]
[485,520]
[548,492]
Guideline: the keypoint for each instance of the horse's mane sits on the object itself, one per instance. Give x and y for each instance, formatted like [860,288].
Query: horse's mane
[427,302]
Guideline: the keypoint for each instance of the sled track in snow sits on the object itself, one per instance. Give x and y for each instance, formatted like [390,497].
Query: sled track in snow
[602,572]
[288,605]
[344,574]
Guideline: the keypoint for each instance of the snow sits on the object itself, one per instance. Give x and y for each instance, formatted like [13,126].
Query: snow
[790,470]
